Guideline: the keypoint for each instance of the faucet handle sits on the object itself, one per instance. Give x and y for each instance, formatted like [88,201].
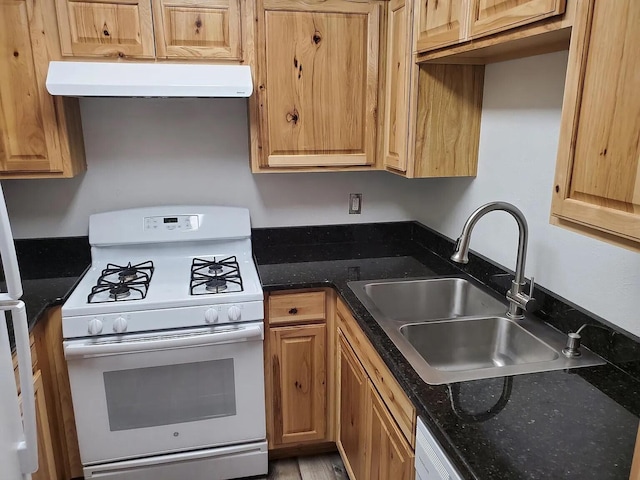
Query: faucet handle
[531,304]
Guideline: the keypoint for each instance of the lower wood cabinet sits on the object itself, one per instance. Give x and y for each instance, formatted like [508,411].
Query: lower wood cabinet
[326,383]
[298,369]
[57,393]
[46,456]
[390,456]
[376,421]
[352,402]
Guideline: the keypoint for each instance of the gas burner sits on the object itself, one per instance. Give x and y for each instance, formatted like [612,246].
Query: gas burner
[216,285]
[118,283]
[216,268]
[141,271]
[119,292]
[215,276]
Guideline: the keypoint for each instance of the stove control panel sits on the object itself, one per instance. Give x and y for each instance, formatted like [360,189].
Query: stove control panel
[123,323]
[178,222]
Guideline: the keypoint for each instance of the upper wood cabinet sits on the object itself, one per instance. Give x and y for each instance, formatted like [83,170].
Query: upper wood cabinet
[444,23]
[192,28]
[492,16]
[109,28]
[317,84]
[440,23]
[171,29]
[40,135]
[432,112]
[597,187]
[398,90]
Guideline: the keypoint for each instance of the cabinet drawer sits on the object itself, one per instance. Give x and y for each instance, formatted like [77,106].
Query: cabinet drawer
[297,307]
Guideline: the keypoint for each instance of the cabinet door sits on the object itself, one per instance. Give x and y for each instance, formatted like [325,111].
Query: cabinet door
[491,16]
[399,44]
[299,390]
[109,28]
[352,401]
[597,185]
[46,457]
[390,454]
[193,29]
[441,23]
[29,135]
[317,82]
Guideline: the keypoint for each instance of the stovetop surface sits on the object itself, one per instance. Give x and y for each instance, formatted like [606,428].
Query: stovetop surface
[169,286]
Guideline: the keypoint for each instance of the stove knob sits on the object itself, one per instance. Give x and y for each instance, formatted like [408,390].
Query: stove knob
[234,313]
[95,326]
[211,315]
[120,325]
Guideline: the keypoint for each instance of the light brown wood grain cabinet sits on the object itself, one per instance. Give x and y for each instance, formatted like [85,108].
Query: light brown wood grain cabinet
[55,385]
[296,375]
[40,135]
[148,29]
[443,23]
[376,421]
[316,84]
[352,410]
[597,183]
[46,455]
[432,112]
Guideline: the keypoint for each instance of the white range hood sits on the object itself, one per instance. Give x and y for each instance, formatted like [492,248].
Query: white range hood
[100,79]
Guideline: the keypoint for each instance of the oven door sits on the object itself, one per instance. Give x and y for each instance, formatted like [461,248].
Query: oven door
[148,394]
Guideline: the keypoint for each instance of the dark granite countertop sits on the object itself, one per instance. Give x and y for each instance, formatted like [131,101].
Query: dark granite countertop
[577,424]
[41,294]
[50,269]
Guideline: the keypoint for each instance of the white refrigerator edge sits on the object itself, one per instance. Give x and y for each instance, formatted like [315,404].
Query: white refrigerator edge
[18,436]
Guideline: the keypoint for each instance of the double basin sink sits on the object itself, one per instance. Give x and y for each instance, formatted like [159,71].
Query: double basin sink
[451,330]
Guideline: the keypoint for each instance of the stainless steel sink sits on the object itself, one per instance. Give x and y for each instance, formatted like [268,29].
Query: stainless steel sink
[479,343]
[451,331]
[428,299]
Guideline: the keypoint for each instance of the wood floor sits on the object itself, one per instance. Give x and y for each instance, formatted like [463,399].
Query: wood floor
[316,467]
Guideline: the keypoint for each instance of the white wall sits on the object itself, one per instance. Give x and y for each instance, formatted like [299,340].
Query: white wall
[518,143]
[148,152]
[175,151]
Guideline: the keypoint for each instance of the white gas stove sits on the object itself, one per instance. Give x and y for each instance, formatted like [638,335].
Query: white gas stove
[164,345]
[146,263]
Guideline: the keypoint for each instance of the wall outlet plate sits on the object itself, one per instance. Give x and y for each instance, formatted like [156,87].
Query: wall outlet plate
[355,203]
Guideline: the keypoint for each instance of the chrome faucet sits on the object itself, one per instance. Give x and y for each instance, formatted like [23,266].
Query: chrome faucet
[518,301]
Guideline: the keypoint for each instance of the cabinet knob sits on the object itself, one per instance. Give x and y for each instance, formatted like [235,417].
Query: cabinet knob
[293,311]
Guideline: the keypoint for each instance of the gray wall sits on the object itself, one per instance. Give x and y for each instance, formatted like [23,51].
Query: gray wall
[148,152]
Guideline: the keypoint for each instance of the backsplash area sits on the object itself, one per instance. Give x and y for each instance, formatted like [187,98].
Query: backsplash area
[144,152]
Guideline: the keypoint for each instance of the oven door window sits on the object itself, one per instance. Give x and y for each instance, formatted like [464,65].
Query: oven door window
[170,394]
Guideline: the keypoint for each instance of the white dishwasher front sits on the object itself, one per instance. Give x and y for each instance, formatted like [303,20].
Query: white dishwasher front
[431,461]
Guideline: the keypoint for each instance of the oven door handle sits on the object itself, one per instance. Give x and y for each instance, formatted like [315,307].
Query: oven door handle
[159,342]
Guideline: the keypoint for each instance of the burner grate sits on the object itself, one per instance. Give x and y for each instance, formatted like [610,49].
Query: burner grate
[122,283]
[209,277]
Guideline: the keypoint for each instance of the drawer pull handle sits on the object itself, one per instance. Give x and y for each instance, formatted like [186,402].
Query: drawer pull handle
[293,311]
